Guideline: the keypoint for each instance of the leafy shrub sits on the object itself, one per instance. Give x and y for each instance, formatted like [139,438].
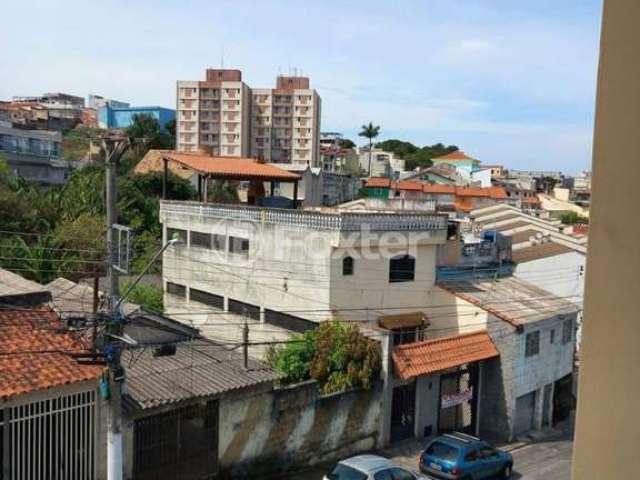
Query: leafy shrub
[335,354]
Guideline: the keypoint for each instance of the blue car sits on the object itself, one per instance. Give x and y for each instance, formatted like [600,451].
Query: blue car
[457,456]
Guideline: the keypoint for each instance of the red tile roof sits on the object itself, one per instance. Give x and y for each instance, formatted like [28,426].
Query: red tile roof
[230,167]
[379,182]
[430,356]
[457,155]
[417,186]
[34,356]
[438,188]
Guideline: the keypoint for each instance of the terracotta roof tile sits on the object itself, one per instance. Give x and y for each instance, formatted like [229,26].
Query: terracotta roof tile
[457,155]
[379,182]
[230,167]
[430,356]
[24,331]
[437,188]
[417,186]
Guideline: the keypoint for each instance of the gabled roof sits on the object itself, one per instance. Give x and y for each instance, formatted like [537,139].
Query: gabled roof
[38,356]
[542,250]
[457,155]
[438,188]
[15,289]
[430,356]
[152,162]
[199,368]
[509,298]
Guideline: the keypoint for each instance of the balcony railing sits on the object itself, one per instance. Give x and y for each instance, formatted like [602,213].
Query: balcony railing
[335,221]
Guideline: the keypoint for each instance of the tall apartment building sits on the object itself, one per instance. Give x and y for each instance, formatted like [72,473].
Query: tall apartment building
[279,124]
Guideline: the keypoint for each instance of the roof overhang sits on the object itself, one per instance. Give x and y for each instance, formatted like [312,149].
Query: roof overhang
[440,354]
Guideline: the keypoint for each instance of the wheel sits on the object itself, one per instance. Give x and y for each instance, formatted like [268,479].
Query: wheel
[506,472]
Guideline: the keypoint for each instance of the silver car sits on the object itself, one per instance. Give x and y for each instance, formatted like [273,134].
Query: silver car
[371,467]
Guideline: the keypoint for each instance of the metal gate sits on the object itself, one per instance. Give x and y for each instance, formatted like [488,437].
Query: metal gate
[403,412]
[177,445]
[53,439]
[458,401]
[525,411]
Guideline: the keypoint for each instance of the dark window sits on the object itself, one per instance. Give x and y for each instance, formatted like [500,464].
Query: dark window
[402,269]
[488,452]
[245,309]
[401,474]
[532,345]
[442,451]
[471,456]
[176,289]
[383,475]
[552,336]
[238,245]
[342,472]
[347,266]
[206,298]
[199,239]
[177,233]
[406,335]
[289,322]
[567,333]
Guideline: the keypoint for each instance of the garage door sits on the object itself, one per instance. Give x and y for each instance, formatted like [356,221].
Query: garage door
[525,408]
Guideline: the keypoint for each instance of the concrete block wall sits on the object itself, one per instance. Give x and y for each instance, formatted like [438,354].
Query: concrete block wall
[294,426]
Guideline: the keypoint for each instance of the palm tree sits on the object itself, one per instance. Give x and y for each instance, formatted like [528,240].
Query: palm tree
[370,131]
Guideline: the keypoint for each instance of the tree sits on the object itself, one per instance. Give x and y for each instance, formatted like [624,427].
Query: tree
[346,143]
[146,295]
[147,130]
[335,354]
[370,131]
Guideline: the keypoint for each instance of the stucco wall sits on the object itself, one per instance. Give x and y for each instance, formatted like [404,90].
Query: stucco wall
[294,426]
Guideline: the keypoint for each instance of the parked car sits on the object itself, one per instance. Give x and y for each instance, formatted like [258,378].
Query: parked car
[371,467]
[457,456]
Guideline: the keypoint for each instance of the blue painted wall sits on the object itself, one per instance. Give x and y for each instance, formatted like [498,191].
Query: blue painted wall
[109,117]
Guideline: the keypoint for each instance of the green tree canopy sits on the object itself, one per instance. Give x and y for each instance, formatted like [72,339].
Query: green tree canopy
[415,157]
[335,354]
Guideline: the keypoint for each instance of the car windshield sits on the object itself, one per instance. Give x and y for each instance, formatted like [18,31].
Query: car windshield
[342,472]
[442,451]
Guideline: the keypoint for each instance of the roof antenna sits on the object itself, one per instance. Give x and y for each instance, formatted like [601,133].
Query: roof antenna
[222,56]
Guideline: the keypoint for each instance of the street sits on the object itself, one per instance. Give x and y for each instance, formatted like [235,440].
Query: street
[545,460]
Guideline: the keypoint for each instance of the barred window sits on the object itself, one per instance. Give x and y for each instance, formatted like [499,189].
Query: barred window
[532,345]
[567,331]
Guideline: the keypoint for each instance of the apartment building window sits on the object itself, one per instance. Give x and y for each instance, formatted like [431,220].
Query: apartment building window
[532,344]
[219,242]
[552,336]
[177,233]
[239,245]
[176,289]
[567,333]
[207,298]
[407,335]
[201,240]
[347,266]
[402,269]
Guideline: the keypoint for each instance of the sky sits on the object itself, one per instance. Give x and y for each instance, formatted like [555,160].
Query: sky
[509,82]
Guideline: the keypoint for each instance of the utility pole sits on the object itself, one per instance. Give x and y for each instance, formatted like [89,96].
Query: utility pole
[114,149]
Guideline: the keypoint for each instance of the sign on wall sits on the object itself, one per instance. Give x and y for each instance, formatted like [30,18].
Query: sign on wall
[453,399]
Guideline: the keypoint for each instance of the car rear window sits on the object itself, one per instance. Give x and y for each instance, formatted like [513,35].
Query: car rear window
[342,472]
[442,451]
